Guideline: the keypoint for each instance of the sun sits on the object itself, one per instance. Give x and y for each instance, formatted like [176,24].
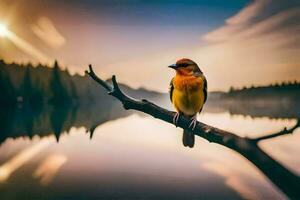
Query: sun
[3,30]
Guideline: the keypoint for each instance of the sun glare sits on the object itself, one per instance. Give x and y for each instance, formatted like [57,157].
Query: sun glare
[3,30]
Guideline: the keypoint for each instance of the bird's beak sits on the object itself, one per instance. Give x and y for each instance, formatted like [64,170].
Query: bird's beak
[174,66]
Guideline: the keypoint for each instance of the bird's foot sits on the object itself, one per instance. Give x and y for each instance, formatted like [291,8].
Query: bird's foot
[176,118]
[193,123]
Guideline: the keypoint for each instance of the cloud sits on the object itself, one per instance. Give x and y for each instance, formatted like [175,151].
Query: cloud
[28,48]
[261,43]
[47,170]
[242,178]
[238,22]
[47,32]
[248,13]
[254,20]
[16,162]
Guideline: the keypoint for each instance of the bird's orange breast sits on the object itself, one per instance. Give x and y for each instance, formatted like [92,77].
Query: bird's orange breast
[188,94]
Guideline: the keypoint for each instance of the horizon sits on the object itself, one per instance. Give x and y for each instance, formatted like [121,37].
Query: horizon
[63,68]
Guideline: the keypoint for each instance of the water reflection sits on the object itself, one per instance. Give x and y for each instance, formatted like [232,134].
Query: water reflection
[276,107]
[56,120]
[132,156]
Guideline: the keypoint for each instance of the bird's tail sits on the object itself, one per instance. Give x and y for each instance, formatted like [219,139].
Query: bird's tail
[188,138]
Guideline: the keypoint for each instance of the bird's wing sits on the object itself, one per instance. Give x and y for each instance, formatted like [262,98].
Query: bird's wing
[171,88]
[205,89]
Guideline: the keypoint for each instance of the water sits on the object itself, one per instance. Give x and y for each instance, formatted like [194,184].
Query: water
[133,156]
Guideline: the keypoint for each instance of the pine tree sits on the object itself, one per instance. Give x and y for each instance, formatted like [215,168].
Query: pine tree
[232,89]
[8,94]
[60,94]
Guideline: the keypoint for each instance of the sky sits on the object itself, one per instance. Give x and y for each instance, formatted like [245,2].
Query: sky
[235,42]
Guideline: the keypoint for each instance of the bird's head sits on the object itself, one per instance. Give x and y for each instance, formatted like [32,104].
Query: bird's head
[186,67]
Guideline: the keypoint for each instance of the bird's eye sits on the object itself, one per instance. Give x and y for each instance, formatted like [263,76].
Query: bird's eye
[184,65]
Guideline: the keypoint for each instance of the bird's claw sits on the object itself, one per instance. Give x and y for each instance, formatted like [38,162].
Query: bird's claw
[175,118]
[193,123]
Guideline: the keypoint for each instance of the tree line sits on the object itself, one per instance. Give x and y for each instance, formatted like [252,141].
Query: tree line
[24,85]
[285,91]
[285,85]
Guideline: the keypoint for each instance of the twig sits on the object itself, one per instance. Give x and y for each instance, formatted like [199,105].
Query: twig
[97,79]
[284,131]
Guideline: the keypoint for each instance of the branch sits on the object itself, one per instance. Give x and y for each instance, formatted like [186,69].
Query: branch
[244,146]
[205,131]
[92,74]
[284,131]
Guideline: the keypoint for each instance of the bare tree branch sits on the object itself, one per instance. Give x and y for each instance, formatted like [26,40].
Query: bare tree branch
[284,131]
[98,80]
[244,146]
[205,131]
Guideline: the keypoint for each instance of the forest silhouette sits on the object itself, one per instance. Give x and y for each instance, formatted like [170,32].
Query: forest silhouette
[42,100]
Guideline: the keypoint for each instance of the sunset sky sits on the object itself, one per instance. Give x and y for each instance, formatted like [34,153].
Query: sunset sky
[235,42]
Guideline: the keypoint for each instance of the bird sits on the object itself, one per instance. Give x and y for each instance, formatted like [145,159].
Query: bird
[188,94]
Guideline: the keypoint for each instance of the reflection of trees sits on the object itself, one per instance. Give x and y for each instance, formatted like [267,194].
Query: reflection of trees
[7,90]
[5,123]
[272,108]
[284,179]
[25,121]
[58,118]
[60,94]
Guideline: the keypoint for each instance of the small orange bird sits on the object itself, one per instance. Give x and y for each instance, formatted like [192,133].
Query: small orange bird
[188,93]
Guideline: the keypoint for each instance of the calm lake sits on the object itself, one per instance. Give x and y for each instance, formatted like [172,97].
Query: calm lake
[133,156]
